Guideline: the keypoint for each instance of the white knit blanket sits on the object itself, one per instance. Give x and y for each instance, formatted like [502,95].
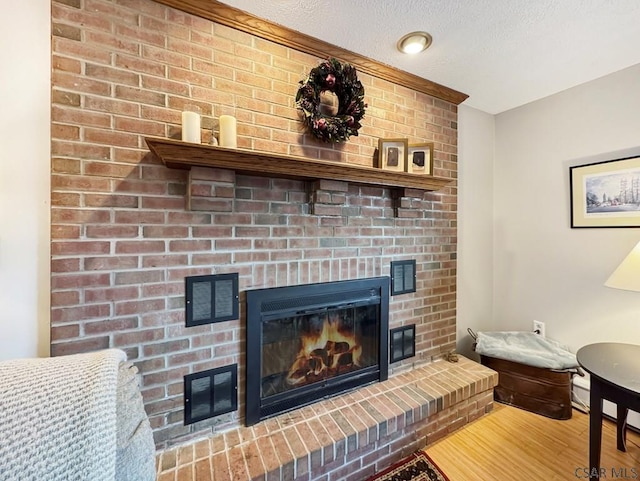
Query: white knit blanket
[58,417]
[526,348]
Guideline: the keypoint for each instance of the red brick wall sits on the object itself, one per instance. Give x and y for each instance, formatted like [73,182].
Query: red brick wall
[123,238]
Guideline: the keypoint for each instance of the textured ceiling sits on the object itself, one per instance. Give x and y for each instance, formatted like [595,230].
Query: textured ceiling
[502,53]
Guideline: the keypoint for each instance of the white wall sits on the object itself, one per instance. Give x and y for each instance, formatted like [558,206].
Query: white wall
[543,269]
[475,220]
[24,178]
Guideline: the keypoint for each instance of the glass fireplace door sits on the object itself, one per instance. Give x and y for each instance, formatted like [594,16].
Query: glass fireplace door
[305,343]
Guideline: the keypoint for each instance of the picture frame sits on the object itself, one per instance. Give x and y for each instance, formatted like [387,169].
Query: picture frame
[420,158]
[606,194]
[392,154]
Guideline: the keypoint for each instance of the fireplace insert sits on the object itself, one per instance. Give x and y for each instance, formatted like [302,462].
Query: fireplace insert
[309,342]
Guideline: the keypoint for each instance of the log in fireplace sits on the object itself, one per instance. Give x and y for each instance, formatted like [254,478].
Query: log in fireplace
[309,342]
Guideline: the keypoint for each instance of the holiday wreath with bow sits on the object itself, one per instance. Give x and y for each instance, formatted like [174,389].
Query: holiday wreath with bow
[342,80]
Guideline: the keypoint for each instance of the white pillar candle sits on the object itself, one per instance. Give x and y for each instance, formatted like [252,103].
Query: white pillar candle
[228,131]
[191,124]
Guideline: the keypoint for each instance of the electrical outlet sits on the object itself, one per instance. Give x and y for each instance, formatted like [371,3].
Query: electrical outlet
[538,328]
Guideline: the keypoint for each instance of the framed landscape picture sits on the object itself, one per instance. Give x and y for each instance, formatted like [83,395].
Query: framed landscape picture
[392,154]
[606,194]
[420,159]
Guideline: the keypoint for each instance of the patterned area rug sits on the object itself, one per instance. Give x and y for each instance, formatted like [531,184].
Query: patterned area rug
[417,467]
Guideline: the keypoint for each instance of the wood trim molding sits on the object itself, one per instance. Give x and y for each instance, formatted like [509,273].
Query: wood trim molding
[232,17]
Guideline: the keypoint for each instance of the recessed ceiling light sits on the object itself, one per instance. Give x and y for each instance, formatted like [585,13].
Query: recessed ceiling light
[414,42]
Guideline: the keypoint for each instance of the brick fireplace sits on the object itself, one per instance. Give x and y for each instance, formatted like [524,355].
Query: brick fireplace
[127,230]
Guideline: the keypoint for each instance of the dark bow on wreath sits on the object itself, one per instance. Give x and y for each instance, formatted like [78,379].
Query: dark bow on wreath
[342,80]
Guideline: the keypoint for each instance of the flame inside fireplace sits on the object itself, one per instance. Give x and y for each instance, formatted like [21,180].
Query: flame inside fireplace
[327,352]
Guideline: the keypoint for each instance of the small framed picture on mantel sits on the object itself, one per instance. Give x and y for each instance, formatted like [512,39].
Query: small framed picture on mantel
[392,154]
[420,159]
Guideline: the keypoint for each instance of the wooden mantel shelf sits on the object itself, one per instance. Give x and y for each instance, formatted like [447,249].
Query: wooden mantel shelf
[183,155]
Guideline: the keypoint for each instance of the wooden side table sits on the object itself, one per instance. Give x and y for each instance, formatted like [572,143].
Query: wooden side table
[615,376]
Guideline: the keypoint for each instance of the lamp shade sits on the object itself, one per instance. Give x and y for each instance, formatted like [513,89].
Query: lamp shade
[627,275]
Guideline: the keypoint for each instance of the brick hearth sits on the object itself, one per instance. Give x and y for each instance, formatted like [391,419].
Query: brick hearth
[350,437]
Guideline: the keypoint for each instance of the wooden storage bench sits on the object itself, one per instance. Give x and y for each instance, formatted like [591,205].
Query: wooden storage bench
[540,390]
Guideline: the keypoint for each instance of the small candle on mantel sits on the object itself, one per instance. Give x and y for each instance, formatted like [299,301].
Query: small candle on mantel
[191,124]
[228,136]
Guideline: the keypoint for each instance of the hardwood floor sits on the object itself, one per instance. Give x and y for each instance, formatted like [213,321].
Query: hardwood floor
[511,444]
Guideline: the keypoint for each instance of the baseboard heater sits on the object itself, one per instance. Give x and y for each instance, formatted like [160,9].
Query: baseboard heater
[580,394]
